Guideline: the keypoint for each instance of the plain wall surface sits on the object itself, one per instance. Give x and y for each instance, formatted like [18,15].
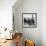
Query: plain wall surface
[28,6]
[6,13]
[43,22]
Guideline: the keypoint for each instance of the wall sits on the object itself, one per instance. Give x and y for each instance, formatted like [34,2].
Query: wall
[6,13]
[43,22]
[28,6]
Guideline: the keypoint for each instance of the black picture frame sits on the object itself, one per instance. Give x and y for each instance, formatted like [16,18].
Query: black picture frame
[29,20]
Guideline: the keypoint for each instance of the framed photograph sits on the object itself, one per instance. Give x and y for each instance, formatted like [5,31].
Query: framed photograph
[29,20]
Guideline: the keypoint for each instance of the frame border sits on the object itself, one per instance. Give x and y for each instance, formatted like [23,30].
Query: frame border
[36,20]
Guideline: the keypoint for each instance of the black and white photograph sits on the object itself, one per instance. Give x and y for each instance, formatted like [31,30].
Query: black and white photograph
[29,20]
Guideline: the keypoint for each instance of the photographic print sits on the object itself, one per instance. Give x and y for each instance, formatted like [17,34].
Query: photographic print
[29,20]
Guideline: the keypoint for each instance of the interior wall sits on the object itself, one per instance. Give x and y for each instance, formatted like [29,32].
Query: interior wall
[28,6]
[43,22]
[6,13]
